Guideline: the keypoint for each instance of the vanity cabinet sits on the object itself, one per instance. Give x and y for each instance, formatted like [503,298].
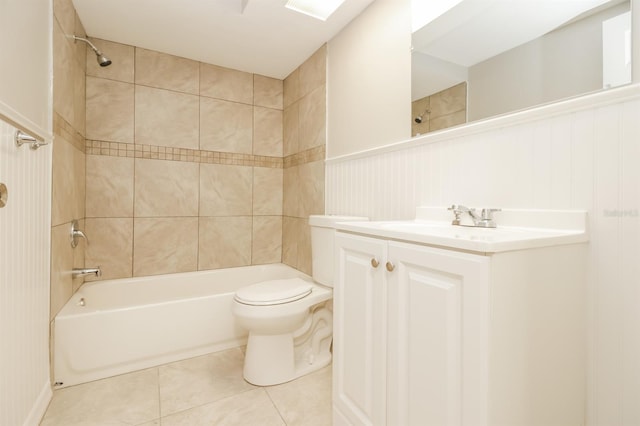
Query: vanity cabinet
[430,336]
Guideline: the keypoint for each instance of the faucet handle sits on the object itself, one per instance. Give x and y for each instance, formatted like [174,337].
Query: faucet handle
[487,214]
[75,233]
[457,212]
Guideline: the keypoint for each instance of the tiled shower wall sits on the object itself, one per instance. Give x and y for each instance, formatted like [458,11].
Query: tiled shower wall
[304,150]
[446,108]
[185,164]
[68,184]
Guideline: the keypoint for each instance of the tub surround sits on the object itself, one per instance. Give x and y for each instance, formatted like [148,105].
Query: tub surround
[186,163]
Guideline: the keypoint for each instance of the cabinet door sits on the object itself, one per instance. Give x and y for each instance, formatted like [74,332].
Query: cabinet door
[437,360]
[359,371]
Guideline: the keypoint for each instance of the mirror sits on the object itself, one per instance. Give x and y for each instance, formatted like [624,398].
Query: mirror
[475,59]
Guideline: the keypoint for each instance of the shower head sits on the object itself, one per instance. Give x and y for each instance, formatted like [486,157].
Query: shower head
[103,61]
[418,119]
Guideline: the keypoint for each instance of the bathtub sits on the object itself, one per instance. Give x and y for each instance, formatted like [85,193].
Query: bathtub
[113,327]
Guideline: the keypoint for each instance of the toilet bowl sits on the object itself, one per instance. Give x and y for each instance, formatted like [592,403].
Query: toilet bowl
[290,321]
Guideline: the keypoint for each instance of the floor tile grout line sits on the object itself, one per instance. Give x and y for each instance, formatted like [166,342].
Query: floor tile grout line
[284,421]
[208,403]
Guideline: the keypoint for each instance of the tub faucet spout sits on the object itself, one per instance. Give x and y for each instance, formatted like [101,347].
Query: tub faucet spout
[81,272]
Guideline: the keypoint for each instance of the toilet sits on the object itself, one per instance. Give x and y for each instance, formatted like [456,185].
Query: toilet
[290,321]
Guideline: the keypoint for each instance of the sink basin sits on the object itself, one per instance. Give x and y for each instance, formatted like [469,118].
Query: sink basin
[486,240]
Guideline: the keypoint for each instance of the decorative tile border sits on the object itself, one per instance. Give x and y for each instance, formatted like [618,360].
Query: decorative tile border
[66,131]
[310,155]
[154,152]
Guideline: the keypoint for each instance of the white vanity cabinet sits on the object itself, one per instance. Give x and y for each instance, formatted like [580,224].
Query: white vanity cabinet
[432,336]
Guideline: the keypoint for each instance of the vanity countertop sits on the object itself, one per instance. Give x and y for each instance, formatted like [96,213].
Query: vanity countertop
[537,229]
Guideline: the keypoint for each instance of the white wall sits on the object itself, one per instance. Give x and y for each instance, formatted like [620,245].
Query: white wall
[25,56]
[25,102]
[369,79]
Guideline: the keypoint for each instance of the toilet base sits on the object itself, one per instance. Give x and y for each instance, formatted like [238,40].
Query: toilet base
[273,359]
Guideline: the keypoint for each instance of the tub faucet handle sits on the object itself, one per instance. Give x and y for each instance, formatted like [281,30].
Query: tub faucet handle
[75,233]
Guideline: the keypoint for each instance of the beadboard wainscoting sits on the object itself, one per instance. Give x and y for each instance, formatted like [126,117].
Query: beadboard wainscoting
[578,154]
[25,389]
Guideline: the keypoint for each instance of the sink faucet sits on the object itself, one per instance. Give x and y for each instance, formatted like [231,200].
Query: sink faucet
[483,220]
[81,272]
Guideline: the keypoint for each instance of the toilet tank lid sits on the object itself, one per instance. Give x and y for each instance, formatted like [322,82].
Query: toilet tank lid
[329,221]
[273,292]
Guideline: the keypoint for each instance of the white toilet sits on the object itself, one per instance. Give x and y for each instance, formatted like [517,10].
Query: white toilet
[290,321]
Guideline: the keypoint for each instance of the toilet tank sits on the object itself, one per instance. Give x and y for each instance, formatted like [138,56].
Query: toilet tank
[322,239]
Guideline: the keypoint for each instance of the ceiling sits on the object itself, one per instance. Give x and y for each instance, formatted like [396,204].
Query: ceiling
[257,36]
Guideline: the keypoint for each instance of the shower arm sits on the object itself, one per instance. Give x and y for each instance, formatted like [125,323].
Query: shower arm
[95,49]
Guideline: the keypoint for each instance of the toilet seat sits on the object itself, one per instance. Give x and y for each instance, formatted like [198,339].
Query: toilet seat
[274,292]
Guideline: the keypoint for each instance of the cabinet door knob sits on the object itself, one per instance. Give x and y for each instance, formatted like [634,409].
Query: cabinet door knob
[390,266]
[374,262]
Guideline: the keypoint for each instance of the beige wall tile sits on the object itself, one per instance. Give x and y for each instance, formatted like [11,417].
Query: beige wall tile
[69,80]
[79,98]
[267,191]
[225,190]
[80,50]
[313,72]
[311,195]
[64,13]
[166,188]
[304,246]
[226,126]
[446,121]
[449,101]
[61,265]
[296,243]
[291,205]
[165,245]
[313,120]
[68,183]
[289,241]
[111,247]
[224,83]
[63,84]
[290,124]
[109,186]
[167,71]
[267,92]
[166,118]
[291,88]
[224,242]
[109,110]
[267,240]
[122,62]
[267,132]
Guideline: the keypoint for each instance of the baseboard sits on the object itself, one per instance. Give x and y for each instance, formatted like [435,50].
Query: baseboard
[39,406]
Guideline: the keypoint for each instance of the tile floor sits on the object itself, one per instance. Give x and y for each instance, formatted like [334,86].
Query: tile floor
[206,390]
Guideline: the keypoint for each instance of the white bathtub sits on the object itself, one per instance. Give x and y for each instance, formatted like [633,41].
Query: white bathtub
[117,326]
